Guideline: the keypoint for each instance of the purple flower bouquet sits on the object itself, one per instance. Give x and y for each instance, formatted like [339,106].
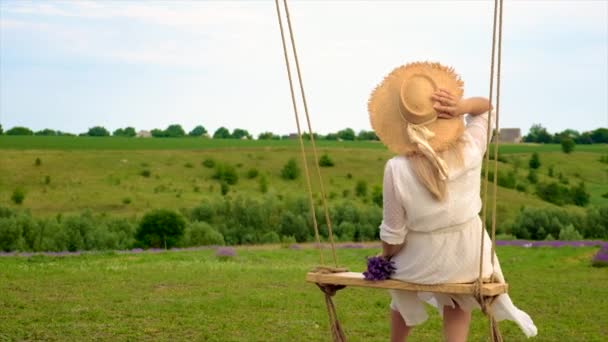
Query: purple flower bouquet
[379,268]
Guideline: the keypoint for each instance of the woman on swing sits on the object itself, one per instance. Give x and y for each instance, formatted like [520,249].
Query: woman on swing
[431,226]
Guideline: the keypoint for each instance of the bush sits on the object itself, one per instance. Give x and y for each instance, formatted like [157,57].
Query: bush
[252,173]
[377,196]
[47,180]
[224,188]
[596,223]
[208,163]
[325,161]
[10,234]
[532,176]
[18,195]
[202,234]
[567,145]
[553,193]
[537,223]
[361,188]
[569,233]
[146,173]
[579,195]
[507,181]
[291,170]
[534,162]
[270,237]
[160,228]
[263,182]
[521,188]
[38,162]
[226,173]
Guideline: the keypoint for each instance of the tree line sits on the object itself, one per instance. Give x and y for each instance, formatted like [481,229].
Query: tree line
[537,134]
[177,131]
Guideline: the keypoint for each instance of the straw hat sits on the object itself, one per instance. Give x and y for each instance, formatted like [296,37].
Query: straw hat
[402,114]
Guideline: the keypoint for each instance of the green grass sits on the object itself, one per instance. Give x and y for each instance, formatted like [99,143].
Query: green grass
[261,295]
[188,143]
[105,174]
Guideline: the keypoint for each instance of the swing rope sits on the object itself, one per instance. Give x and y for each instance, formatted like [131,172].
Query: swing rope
[485,302]
[484,296]
[328,289]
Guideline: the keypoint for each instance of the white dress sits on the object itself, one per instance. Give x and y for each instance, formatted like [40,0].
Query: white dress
[442,238]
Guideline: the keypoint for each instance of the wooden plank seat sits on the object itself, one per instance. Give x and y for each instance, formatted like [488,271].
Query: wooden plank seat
[357,279]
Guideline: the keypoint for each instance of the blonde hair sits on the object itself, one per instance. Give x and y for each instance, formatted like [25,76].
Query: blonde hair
[429,176]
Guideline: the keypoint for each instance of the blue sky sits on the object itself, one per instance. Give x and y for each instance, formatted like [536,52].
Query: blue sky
[71,65]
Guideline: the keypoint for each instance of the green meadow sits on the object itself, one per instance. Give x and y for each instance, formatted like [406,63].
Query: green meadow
[105,174]
[260,295]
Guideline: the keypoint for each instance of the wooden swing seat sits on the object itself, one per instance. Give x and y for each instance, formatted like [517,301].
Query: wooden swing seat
[357,279]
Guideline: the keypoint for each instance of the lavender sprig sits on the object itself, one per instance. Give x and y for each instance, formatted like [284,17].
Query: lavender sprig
[379,268]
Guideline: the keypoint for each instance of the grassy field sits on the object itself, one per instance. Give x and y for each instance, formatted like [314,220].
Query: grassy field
[261,295]
[120,143]
[104,174]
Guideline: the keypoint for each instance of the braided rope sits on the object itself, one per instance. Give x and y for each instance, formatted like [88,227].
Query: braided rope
[312,138]
[297,117]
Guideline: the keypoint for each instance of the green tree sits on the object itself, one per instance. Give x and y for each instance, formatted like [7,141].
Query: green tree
[567,144]
[175,131]
[534,162]
[367,135]
[346,134]
[538,134]
[1,130]
[160,228]
[18,130]
[197,131]
[222,133]
[268,136]
[239,133]
[599,136]
[119,132]
[331,136]
[158,133]
[98,131]
[46,132]
[291,170]
[579,195]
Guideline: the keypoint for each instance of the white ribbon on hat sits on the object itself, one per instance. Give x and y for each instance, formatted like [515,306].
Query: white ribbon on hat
[419,135]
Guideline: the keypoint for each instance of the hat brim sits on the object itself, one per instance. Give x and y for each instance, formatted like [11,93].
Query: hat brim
[389,124]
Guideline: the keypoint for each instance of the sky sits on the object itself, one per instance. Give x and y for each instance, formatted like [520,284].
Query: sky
[72,65]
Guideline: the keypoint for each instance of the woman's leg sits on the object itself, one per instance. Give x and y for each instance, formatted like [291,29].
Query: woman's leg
[456,324]
[399,330]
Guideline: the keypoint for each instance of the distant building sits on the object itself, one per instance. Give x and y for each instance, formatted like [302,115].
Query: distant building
[510,135]
[144,134]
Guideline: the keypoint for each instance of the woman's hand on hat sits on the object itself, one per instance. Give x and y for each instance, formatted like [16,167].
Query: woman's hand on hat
[447,106]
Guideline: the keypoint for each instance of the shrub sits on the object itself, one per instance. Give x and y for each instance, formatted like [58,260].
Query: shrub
[579,195]
[521,188]
[160,228]
[126,200]
[377,196]
[252,173]
[291,170]
[263,182]
[532,176]
[188,165]
[553,192]
[10,234]
[361,188]
[534,162]
[146,173]
[270,237]
[208,163]
[550,171]
[47,180]
[18,195]
[508,180]
[202,234]
[569,233]
[226,173]
[537,223]
[294,225]
[224,188]
[203,212]
[567,145]
[596,223]
[325,161]
[38,162]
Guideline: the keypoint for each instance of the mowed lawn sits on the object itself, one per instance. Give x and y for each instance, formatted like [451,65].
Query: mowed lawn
[261,295]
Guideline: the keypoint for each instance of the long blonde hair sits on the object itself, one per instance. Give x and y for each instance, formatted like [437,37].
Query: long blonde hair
[429,176]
